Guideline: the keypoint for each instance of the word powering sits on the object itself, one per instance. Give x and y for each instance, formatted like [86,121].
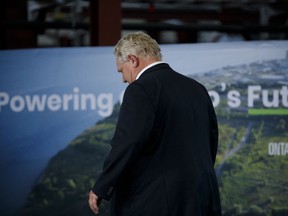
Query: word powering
[74,101]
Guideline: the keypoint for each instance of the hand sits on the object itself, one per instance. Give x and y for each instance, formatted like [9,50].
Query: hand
[94,202]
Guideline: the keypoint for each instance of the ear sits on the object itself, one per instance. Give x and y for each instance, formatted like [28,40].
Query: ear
[134,60]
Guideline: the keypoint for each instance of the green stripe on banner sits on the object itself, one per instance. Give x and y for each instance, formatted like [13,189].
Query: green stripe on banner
[268,111]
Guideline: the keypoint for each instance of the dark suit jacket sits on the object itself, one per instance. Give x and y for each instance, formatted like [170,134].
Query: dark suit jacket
[163,150]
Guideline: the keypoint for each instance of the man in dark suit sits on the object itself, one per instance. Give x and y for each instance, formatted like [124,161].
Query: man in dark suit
[164,147]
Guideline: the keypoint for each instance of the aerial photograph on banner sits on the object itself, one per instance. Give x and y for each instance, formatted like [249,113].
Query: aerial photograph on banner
[251,103]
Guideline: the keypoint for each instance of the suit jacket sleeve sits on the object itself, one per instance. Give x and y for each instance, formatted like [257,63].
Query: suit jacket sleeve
[133,127]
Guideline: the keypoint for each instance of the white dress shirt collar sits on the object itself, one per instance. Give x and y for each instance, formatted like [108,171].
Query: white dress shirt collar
[147,67]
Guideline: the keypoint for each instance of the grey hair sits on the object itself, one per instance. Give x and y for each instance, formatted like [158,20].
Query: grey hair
[139,44]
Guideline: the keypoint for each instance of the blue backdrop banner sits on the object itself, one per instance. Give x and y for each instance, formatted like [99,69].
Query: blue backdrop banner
[59,106]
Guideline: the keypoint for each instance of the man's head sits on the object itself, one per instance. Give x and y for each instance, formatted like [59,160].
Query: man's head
[138,44]
[134,52]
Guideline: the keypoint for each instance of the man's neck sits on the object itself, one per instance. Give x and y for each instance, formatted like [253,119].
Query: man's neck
[152,63]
